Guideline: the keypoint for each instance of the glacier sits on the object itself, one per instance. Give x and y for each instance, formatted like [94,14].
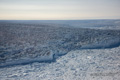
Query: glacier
[62,50]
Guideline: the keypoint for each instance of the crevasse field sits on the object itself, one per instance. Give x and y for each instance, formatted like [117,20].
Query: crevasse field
[60,50]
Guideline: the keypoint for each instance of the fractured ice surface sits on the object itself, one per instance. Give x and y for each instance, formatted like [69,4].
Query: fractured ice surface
[27,43]
[76,50]
[85,64]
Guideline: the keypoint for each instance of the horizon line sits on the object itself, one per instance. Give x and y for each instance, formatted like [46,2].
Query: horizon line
[58,19]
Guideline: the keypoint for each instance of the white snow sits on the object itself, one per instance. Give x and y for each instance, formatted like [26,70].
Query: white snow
[88,64]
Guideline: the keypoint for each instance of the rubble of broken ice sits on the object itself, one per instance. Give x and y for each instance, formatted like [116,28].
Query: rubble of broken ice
[28,43]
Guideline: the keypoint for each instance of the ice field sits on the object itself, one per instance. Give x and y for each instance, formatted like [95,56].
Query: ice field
[60,50]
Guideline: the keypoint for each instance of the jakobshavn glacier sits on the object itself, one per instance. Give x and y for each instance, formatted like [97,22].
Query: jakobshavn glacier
[60,50]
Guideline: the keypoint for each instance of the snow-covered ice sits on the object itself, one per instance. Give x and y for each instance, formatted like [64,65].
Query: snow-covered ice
[89,64]
[66,50]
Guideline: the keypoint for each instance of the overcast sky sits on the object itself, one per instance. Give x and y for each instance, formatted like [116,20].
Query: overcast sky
[59,9]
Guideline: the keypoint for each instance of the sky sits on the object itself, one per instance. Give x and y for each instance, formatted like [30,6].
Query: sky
[59,9]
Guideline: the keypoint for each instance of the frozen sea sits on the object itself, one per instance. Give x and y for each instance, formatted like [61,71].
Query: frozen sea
[60,50]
